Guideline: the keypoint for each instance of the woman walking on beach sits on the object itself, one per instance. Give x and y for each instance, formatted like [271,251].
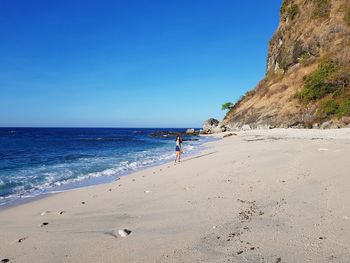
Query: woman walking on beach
[178,148]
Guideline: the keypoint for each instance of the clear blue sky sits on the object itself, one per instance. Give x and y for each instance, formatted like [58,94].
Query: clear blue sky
[129,63]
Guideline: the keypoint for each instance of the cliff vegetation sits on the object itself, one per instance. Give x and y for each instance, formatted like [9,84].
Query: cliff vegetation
[307,82]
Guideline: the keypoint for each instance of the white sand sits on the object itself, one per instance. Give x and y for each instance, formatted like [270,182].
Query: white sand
[262,196]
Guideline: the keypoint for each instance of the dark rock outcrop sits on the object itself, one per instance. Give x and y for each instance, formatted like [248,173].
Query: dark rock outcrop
[167,134]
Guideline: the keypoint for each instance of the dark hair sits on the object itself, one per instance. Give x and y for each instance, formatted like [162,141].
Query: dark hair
[180,139]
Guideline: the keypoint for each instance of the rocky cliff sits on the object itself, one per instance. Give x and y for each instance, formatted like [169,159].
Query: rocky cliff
[307,81]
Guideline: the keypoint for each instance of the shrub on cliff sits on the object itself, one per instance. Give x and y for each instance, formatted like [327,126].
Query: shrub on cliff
[227,106]
[321,8]
[289,10]
[344,107]
[293,11]
[329,85]
[317,83]
[339,107]
[284,7]
[327,107]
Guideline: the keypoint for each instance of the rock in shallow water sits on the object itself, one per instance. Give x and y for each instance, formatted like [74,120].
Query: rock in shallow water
[190,131]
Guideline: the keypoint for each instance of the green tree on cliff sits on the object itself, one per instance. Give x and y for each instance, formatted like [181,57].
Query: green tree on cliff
[227,106]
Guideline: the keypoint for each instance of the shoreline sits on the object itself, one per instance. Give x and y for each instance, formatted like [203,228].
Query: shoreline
[258,196]
[103,180]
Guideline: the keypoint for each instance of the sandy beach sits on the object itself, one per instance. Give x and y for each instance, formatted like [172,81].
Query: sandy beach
[278,195]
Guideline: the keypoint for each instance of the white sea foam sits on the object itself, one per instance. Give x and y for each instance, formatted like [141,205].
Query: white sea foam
[145,159]
[54,178]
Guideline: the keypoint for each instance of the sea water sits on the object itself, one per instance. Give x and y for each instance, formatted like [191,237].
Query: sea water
[37,161]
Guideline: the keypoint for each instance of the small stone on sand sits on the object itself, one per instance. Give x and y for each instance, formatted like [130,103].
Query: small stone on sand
[45,212]
[147,191]
[4,260]
[62,212]
[43,224]
[124,232]
[83,203]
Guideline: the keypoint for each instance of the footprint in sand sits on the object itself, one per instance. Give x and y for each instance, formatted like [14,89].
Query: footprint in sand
[19,240]
[44,224]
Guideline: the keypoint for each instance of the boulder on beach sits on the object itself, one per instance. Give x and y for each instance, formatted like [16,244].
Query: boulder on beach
[213,126]
[209,125]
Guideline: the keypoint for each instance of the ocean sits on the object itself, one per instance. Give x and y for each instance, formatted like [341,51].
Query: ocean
[38,161]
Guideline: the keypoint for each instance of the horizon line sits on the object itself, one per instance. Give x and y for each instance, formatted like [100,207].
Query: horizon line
[91,127]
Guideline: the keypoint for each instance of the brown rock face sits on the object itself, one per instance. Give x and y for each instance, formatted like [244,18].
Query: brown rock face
[309,32]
